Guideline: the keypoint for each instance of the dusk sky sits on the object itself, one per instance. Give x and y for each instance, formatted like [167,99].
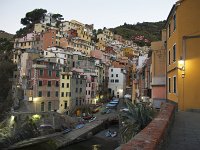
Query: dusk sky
[101,13]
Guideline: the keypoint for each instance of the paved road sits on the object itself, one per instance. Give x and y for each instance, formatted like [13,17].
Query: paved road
[185,134]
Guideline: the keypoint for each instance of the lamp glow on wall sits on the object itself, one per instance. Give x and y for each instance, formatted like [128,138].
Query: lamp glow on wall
[181,66]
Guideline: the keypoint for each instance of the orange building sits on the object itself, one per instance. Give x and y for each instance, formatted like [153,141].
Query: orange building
[158,58]
[49,39]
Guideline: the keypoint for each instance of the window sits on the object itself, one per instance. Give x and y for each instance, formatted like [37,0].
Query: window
[116,75]
[49,84]
[67,76]
[76,102]
[63,76]
[80,90]
[57,74]
[89,84]
[116,81]
[49,106]
[65,105]
[174,52]
[111,70]
[56,94]
[66,94]
[63,85]
[112,80]
[81,81]
[169,57]
[111,75]
[49,73]
[174,84]
[89,92]
[69,94]
[48,94]
[42,106]
[41,72]
[57,84]
[76,81]
[174,18]
[67,85]
[40,83]
[62,94]
[169,29]
[39,93]
[76,90]
[169,85]
[86,92]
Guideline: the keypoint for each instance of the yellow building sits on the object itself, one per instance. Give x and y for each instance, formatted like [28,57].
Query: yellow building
[65,92]
[183,54]
[80,45]
[83,34]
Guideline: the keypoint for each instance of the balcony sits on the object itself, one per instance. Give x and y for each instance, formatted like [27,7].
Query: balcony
[39,66]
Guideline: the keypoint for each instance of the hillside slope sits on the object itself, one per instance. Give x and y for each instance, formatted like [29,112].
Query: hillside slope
[6,35]
[140,33]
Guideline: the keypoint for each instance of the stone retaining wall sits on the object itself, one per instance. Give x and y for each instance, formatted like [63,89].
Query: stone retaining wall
[154,136]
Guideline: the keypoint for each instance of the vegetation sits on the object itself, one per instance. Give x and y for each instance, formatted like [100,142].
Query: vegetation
[58,18]
[7,68]
[10,133]
[150,31]
[6,35]
[33,17]
[29,20]
[134,120]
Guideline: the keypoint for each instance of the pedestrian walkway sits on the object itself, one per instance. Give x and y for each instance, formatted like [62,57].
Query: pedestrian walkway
[185,133]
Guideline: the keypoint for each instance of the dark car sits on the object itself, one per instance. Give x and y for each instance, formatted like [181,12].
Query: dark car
[67,131]
[87,117]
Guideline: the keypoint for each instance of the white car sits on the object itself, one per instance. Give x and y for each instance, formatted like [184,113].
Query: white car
[92,119]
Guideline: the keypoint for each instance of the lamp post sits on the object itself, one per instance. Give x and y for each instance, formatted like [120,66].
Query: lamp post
[35,102]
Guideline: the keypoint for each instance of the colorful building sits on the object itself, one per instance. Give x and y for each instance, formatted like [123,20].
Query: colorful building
[183,55]
[159,70]
[44,83]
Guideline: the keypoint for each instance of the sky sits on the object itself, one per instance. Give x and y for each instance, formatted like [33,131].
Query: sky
[101,13]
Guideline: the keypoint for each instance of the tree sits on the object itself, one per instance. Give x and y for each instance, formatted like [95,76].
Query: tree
[99,31]
[133,121]
[5,49]
[58,18]
[29,20]
[33,17]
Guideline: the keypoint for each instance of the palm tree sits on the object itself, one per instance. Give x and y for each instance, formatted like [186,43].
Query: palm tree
[134,120]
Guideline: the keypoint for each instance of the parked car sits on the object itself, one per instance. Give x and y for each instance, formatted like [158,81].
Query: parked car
[79,126]
[87,117]
[124,109]
[46,129]
[67,131]
[111,105]
[92,119]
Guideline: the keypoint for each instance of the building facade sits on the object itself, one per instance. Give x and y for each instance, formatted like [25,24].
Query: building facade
[183,55]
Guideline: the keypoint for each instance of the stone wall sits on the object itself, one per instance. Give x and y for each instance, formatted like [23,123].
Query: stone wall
[154,136]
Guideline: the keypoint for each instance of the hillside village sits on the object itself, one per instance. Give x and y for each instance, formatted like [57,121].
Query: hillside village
[71,77]
[62,68]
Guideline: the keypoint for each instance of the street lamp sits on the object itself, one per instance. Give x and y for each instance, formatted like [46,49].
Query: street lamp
[181,66]
[34,101]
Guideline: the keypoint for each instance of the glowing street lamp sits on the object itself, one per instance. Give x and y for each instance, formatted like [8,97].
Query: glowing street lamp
[35,101]
[181,66]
